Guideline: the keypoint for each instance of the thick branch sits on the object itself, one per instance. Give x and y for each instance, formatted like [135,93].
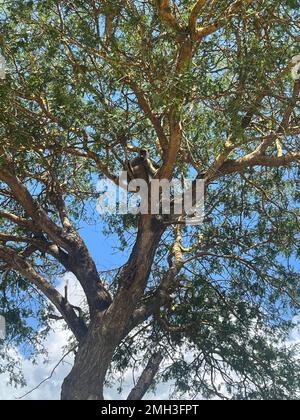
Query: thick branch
[17,263]
[194,14]
[20,221]
[166,14]
[146,378]
[166,170]
[239,165]
[134,276]
[23,196]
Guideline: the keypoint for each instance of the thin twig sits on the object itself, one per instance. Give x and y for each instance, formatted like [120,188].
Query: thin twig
[49,377]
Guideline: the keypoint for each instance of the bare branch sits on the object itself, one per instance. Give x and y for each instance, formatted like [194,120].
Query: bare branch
[146,378]
[234,8]
[50,376]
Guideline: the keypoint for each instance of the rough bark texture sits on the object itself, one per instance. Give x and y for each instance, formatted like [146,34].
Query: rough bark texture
[108,328]
[146,378]
[85,382]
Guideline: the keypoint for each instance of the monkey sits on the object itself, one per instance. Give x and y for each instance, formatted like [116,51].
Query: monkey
[142,167]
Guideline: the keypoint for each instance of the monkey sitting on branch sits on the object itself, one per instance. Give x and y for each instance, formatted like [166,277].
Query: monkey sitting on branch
[141,170]
[142,167]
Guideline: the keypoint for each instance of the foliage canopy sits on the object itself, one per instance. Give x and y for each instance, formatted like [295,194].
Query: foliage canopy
[206,87]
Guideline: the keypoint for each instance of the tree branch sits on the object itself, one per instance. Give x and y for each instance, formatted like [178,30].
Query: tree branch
[235,7]
[146,378]
[176,133]
[133,278]
[146,108]
[23,196]
[166,14]
[239,165]
[86,271]
[14,261]
[194,15]
[20,221]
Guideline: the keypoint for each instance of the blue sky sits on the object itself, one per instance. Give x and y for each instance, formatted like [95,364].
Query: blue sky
[102,248]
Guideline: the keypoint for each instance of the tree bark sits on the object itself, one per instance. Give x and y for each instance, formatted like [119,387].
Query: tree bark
[86,379]
[109,327]
[146,378]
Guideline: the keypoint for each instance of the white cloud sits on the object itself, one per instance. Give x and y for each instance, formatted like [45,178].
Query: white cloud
[35,374]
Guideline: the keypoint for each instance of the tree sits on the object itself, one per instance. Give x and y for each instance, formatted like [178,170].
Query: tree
[206,86]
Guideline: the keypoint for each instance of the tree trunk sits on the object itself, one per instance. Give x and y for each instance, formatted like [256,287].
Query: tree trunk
[109,327]
[86,379]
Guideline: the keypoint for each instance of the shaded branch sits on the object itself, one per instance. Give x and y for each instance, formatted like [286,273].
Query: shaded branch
[23,196]
[14,261]
[146,378]
[20,221]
